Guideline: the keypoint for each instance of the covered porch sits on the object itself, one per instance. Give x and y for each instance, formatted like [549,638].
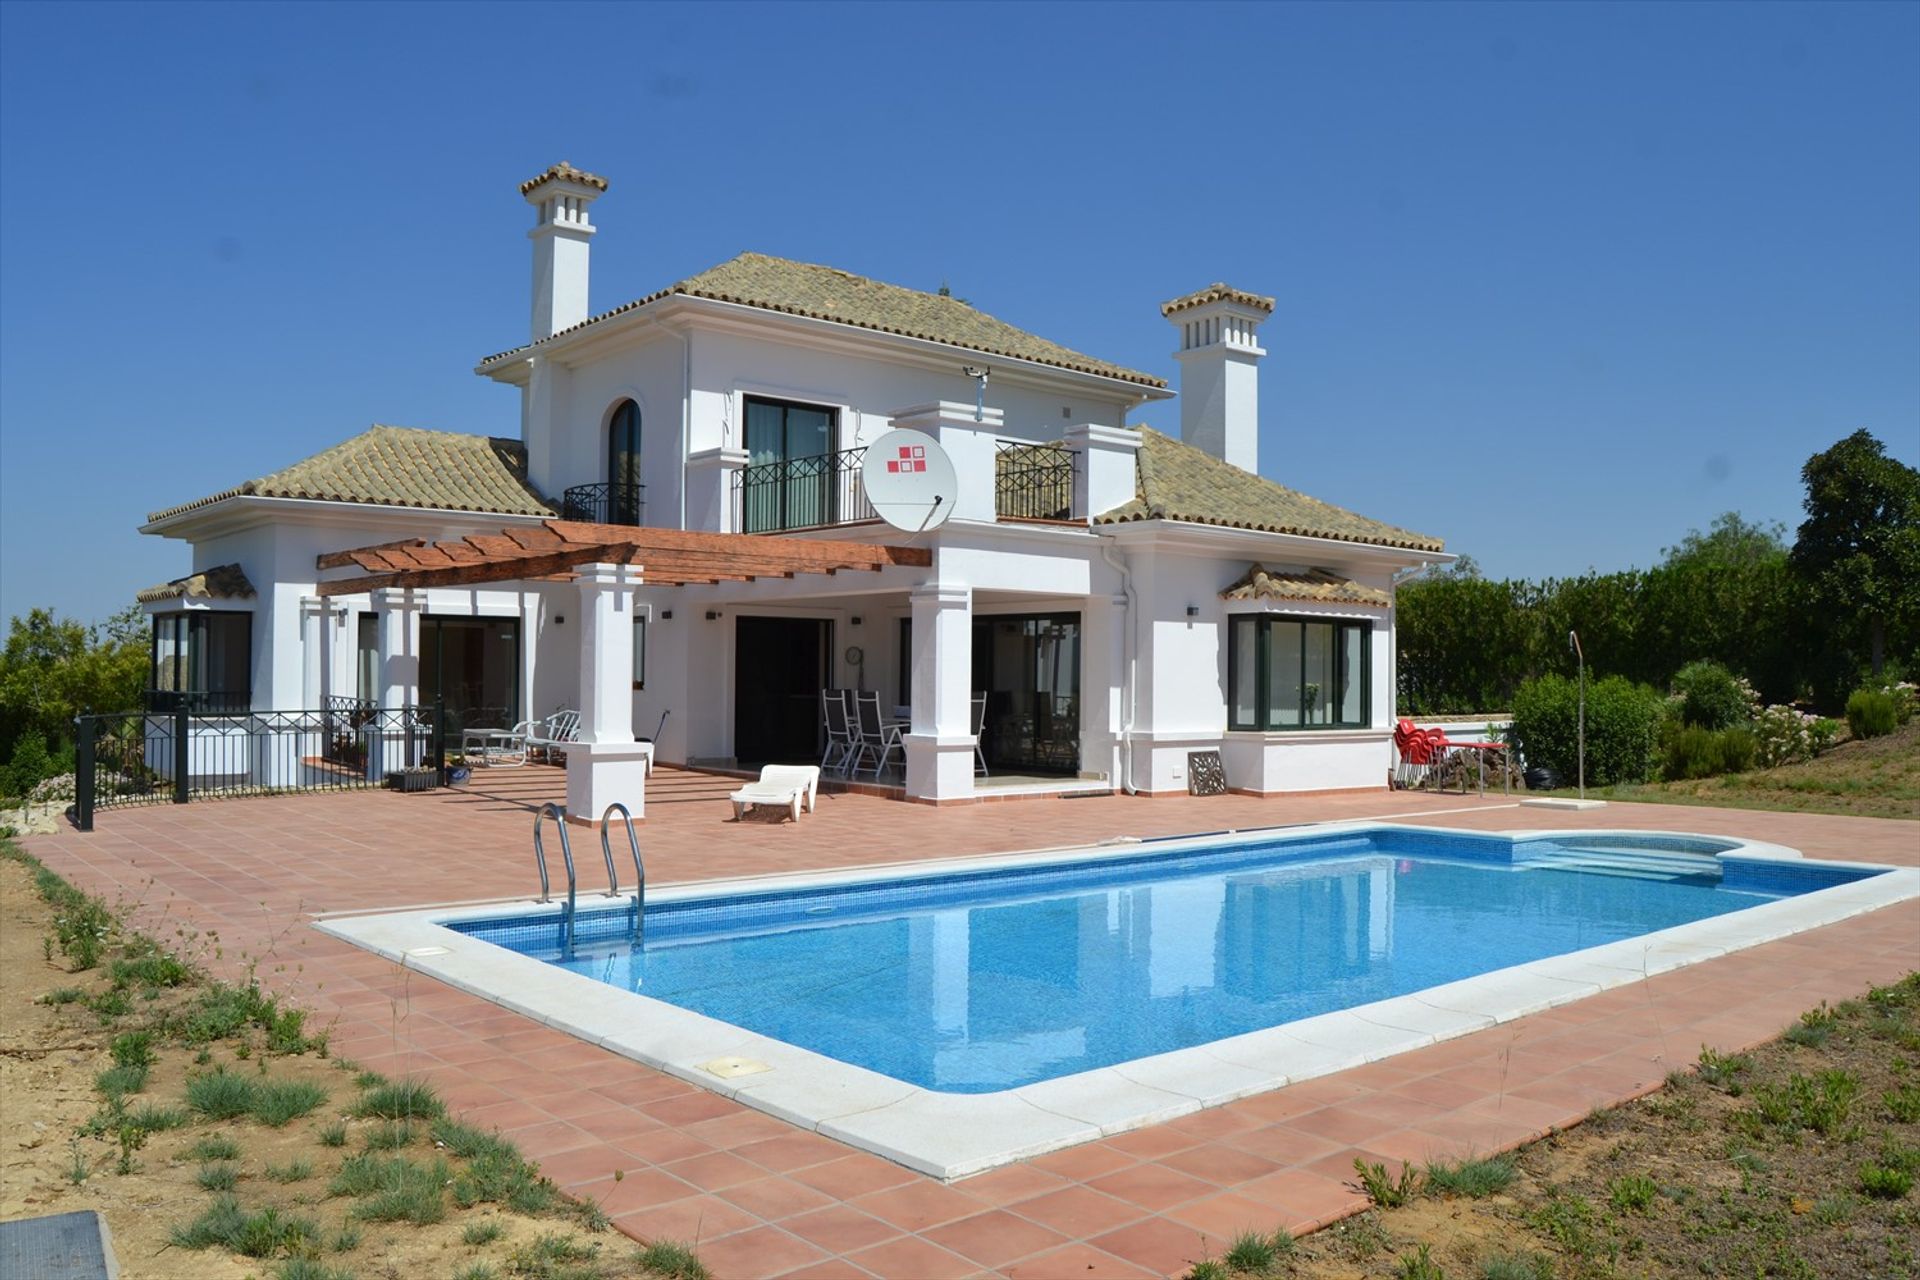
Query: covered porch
[721,647]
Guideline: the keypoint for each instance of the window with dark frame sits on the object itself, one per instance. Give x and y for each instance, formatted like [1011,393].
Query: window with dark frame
[906,664]
[623,465]
[1287,673]
[639,650]
[205,656]
[791,480]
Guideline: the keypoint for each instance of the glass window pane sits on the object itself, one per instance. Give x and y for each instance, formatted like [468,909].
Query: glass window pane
[367,659]
[766,432]
[1283,674]
[1320,692]
[167,636]
[1353,669]
[1243,655]
[808,432]
[639,651]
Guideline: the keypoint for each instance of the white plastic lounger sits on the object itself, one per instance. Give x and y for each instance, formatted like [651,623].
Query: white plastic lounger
[782,784]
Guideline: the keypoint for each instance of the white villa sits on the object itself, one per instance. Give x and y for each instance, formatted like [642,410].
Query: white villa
[678,541]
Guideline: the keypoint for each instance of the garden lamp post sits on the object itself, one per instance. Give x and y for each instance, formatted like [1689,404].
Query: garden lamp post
[1573,642]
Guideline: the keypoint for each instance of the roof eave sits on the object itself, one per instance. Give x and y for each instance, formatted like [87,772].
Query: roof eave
[1294,547]
[240,506]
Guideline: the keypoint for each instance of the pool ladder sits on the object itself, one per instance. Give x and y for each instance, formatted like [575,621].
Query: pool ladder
[606,851]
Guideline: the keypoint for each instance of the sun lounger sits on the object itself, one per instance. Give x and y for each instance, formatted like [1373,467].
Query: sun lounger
[783,784]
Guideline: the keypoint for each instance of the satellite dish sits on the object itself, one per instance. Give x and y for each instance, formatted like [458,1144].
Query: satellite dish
[909,480]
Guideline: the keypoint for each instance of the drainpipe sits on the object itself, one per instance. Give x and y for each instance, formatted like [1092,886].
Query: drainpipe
[686,414]
[1109,551]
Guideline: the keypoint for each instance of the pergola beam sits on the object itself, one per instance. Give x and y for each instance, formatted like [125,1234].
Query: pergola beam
[667,557]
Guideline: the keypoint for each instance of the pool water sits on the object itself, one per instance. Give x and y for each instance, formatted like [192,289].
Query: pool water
[971,983]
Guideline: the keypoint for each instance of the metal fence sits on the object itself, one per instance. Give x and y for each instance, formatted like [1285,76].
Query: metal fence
[176,756]
[801,493]
[607,503]
[1032,481]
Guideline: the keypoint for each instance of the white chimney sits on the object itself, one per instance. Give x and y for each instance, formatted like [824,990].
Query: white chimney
[560,235]
[1219,371]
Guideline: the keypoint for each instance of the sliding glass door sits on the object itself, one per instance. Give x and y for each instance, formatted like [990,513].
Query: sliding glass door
[1028,665]
[789,481]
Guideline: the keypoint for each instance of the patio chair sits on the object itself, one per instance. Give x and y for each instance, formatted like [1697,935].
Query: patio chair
[979,731]
[874,736]
[787,785]
[839,752]
[553,734]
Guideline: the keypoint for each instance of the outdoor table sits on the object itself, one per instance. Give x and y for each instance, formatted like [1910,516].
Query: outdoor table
[492,746]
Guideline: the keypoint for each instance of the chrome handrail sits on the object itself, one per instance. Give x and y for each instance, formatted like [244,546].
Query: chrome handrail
[566,853]
[639,867]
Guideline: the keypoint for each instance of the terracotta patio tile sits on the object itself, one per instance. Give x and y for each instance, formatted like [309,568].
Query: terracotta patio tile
[1213,1221]
[1154,1187]
[1152,1142]
[1086,1161]
[853,1175]
[910,1256]
[715,1170]
[688,1219]
[1080,1261]
[640,1189]
[775,1197]
[790,1151]
[759,1251]
[1158,1244]
[995,1238]
[1010,1184]
[831,1269]
[841,1228]
[1220,1164]
[919,1204]
[1078,1212]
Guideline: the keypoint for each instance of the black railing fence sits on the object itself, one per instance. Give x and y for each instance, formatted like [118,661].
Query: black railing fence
[800,493]
[1032,481]
[176,756]
[607,503]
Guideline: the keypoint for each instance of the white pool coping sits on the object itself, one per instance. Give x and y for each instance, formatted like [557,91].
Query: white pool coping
[954,1135]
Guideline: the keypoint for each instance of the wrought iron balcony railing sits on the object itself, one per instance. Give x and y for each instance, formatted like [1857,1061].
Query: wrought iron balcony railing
[1032,481]
[605,503]
[800,493]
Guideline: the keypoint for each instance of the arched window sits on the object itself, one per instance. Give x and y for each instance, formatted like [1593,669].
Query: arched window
[623,465]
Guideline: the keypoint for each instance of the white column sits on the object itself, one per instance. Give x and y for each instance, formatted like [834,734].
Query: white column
[314,616]
[529,651]
[606,765]
[397,616]
[940,747]
[1103,682]
[969,443]
[710,476]
[396,612]
[1105,475]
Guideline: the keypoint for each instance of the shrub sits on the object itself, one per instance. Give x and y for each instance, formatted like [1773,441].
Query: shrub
[1632,1193]
[1386,1192]
[1782,735]
[401,1100]
[214,1148]
[673,1261]
[1712,697]
[1871,713]
[276,1102]
[1883,1183]
[221,1095]
[1623,728]
[1693,752]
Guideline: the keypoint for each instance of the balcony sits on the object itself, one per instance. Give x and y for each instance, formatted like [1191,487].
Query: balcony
[1032,481]
[801,493]
[605,503]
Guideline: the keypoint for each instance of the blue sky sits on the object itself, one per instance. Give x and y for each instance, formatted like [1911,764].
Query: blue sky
[1557,283]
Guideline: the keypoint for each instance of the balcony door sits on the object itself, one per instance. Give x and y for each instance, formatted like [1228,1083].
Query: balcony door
[1028,665]
[780,667]
[623,465]
[790,480]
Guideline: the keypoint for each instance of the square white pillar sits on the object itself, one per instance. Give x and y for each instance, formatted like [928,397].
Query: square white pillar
[970,443]
[1106,475]
[606,764]
[392,743]
[710,477]
[314,617]
[940,747]
[1103,683]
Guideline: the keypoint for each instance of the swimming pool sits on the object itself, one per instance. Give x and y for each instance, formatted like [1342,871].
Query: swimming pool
[960,1015]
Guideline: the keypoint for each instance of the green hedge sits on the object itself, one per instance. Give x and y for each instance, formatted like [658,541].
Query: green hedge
[1624,721]
[1694,752]
[1711,697]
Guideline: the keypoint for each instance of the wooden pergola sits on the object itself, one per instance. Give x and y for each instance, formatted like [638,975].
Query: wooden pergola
[550,551]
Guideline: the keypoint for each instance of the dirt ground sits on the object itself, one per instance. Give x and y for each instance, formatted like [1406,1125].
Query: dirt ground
[49,1057]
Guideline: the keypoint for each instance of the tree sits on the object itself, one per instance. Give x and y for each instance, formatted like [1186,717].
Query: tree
[1858,550]
[1730,596]
[54,669]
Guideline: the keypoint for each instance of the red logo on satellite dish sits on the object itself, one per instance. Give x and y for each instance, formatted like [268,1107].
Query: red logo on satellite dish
[913,457]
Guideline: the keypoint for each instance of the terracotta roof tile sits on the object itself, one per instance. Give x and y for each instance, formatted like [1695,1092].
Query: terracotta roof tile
[403,467]
[563,172]
[222,582]
[1322,585]
[1217,292]
[1176,481]
[827,293]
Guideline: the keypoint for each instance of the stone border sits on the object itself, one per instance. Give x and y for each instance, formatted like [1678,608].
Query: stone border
[950,1136]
